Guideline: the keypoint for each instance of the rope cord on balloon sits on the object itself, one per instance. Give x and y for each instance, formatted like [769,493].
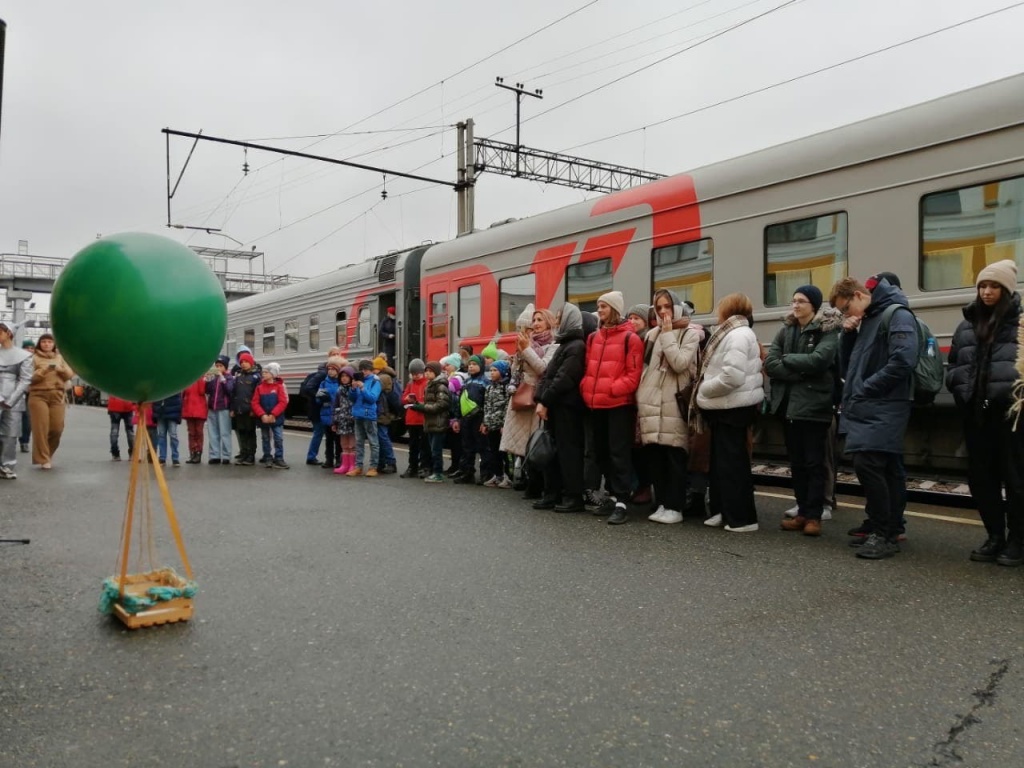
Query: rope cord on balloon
[145,450]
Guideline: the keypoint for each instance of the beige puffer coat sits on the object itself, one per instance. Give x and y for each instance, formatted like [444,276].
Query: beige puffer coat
[672,367]
[519,425]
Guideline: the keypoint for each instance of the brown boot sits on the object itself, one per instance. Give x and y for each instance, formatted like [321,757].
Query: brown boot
[796,523]
[812,528]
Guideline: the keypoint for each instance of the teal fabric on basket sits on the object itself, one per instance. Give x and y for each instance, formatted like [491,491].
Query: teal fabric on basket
[139,603]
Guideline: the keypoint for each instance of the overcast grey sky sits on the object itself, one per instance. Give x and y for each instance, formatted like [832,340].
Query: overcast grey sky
[88,86]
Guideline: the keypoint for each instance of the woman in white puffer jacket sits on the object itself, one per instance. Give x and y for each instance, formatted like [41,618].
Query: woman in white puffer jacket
[728,393]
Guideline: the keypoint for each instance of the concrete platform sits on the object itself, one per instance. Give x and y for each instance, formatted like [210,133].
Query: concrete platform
[385,622]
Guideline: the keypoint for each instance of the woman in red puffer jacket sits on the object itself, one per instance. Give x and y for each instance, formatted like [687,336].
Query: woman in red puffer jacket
[615,360]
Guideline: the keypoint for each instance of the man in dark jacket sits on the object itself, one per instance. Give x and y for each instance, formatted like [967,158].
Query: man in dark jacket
[388,331]
[308,389]
[877,398]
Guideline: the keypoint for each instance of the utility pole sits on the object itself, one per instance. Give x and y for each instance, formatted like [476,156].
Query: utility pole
[519,90]
[466,175]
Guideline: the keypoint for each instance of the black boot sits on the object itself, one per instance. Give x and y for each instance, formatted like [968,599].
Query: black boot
[570,504]
[1012,554]
[989,551]
[546,502]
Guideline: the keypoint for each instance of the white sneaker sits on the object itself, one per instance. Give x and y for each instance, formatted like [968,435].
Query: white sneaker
[655,516]
[792,511]
[505,483]
[826,512]
[742,529]
[7,473]
[670,517]
[714,522]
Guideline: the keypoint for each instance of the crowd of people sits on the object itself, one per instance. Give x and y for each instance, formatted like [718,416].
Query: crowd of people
[642,404]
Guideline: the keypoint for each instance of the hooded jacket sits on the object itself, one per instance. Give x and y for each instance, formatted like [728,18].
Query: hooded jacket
[415,392]
[671,368]
[436,405]
[219,391]
[878,373]
[270,397]
[802,364]
[193,401]
[242,392]
[993,367]
[364,399]
[45,378]
[16,368]
[615,359]
[559,387]
[168,409]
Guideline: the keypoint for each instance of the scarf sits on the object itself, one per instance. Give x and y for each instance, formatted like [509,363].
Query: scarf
[1016,411]
[539,341]
[734,322]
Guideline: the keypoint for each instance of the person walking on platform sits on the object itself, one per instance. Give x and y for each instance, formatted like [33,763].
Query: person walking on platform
[195,411]
[26,421]
[120,411]
[47,400]
[877,398]
[981,375]
[167,416]
[16,369]
[220,387]
[802,366]
[246,381]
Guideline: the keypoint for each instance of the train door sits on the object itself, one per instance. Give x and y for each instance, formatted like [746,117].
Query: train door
[386,331]
[462,307]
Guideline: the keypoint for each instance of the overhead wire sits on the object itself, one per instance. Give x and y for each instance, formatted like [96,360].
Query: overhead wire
[796,78]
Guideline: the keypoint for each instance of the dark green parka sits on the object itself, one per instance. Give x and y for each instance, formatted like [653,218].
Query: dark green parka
[802,364]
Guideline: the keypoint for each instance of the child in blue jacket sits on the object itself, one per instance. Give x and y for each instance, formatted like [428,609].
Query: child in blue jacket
[364,395]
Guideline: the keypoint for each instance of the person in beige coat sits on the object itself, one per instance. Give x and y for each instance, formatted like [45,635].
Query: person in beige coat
[46,400]
[670,366]
[536,347]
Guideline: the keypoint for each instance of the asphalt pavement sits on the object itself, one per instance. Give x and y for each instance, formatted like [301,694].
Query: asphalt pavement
[386,622]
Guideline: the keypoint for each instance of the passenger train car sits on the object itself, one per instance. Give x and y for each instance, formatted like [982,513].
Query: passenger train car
[932,192]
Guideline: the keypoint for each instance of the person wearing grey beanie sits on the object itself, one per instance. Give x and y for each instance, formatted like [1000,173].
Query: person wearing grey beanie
[983,373]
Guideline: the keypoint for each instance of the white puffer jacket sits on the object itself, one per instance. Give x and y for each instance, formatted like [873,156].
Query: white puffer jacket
[733,377]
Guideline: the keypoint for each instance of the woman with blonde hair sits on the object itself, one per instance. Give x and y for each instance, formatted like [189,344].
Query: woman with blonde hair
[535,347]
[728,391]
[46,400]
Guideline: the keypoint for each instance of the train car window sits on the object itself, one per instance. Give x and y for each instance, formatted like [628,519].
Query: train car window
[438,320]
[469,310]
[249,338]
[291,335]
[314,333]
[340,329]
[964,230]
[365,323]
[585,282]
[268,340]
[516,293]
[805,252]
[688,271]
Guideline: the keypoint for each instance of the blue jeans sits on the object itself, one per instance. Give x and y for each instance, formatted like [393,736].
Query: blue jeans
[436,440]
[318,436]
[115,432]
[387,451]
[26,427]
[366,429]
[277,432]
[165,428]
[218,425]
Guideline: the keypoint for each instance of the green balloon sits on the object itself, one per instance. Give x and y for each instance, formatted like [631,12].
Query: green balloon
[138,316]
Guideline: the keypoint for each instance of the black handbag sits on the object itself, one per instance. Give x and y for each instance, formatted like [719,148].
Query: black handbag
[540,448]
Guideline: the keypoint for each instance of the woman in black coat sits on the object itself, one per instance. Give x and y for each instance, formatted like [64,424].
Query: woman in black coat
[560,405]
[981,375]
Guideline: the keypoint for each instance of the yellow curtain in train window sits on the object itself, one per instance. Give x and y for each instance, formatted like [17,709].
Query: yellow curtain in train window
[948,267]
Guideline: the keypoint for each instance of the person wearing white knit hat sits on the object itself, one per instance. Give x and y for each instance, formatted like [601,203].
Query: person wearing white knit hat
[615,361]
[982,374]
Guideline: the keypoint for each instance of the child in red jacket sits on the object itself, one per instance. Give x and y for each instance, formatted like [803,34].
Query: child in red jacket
[414,393]
[269,402]
[194,411]
[120,410]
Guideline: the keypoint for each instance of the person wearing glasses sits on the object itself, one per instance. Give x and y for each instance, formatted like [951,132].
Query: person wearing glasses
[801,365]
[877,399]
